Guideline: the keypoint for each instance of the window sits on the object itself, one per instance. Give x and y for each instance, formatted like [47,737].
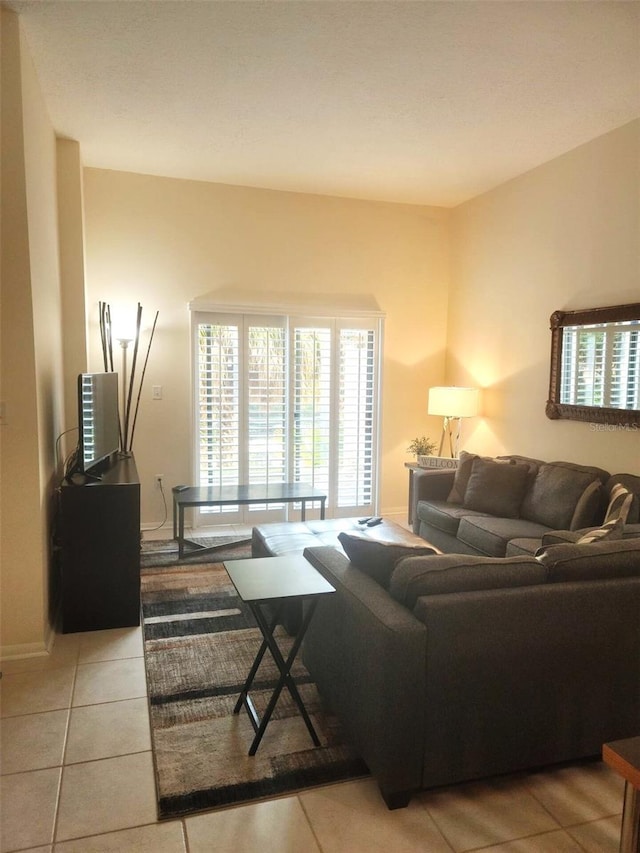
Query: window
[287,399]
[601,365]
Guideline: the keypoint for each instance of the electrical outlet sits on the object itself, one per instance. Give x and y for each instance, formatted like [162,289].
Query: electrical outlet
[159,479]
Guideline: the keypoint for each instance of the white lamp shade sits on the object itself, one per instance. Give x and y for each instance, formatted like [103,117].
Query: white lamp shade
[453,402]
[123,322]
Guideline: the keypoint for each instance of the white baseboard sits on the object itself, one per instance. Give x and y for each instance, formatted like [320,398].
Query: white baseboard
[21,651]
[24,650]
[168,525]
[396,510]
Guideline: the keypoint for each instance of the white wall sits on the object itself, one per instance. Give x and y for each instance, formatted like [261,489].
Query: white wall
[564,236]
[164,242]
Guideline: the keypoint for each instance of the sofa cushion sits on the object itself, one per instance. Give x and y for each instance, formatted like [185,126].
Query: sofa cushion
[555,493]
[496,488]
[490,535]
[443,515]
[593,561]
[522,547]
[377,558]
[450,573]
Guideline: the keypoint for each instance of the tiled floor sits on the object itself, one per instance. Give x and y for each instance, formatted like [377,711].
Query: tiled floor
[77,777]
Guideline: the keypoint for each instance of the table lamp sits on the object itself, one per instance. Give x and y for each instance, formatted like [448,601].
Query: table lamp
[452,403]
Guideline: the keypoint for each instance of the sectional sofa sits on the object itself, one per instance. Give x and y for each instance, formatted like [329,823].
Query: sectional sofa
[455,666]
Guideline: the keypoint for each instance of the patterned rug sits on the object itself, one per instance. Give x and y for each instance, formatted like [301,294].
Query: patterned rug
[164,552]
[200,640]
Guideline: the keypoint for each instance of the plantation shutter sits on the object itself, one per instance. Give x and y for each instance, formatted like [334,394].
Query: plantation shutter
[586,351]
[311,405]
[356,417]
[266,401]
[287,399]
[218,410]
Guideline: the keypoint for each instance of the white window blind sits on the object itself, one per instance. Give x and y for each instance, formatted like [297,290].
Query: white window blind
[356,418]
[283,399]
[601,365]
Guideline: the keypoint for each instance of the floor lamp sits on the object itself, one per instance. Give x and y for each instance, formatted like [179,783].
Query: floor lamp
[452,403]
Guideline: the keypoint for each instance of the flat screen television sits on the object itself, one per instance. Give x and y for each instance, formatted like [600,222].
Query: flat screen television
[98,420]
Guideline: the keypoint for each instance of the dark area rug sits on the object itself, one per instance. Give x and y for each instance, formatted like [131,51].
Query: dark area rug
[200,641]
[164,552]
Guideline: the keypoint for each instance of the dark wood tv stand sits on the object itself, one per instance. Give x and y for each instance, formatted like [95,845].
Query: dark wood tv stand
[99,529]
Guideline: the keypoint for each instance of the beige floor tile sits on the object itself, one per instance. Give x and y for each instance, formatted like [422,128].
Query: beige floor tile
[33,692]
[156,838]
[485,813]
[28,808]
[107,795]
[599,836]
[110,681]
[578,794]
[548,842]
[352,817]
[33,741]
[104,731]
[46,849]
[64,652]
[112,644]
[275,826]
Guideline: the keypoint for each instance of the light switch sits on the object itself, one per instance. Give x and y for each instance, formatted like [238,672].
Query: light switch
[156,392]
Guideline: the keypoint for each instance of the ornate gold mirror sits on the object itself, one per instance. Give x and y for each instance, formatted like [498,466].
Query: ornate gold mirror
[595,365]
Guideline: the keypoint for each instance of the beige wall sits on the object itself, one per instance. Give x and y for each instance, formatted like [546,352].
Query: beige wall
[31,335]
[165,242]
[74,321]
[564,236]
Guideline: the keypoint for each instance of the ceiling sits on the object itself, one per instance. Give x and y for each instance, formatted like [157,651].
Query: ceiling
[418,101]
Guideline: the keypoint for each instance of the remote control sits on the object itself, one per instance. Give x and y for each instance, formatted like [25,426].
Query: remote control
[364,520]
[373,522]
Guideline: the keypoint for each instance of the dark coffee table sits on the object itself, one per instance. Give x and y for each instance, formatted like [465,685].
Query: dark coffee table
[268,581]
[260,493]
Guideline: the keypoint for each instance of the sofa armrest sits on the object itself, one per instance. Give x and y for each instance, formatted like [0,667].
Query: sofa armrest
[559,537]
[429,485]
[529,676]
[367,654]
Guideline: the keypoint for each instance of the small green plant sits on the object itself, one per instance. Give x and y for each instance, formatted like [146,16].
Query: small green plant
[422,446]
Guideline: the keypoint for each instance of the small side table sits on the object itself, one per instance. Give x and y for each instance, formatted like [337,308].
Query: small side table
[624,757]
[276,580]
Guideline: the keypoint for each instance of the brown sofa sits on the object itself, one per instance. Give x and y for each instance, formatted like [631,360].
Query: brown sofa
[459,667]
[508,505]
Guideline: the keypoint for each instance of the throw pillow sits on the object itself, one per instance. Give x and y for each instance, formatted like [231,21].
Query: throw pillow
[461,478]
[377,558]
[620,499]
[609,530]
[587,509]
[496,488]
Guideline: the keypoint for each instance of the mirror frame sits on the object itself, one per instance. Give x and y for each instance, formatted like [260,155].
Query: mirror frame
[593,414]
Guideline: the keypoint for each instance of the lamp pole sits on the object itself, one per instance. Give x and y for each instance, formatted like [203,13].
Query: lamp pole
[124,343]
